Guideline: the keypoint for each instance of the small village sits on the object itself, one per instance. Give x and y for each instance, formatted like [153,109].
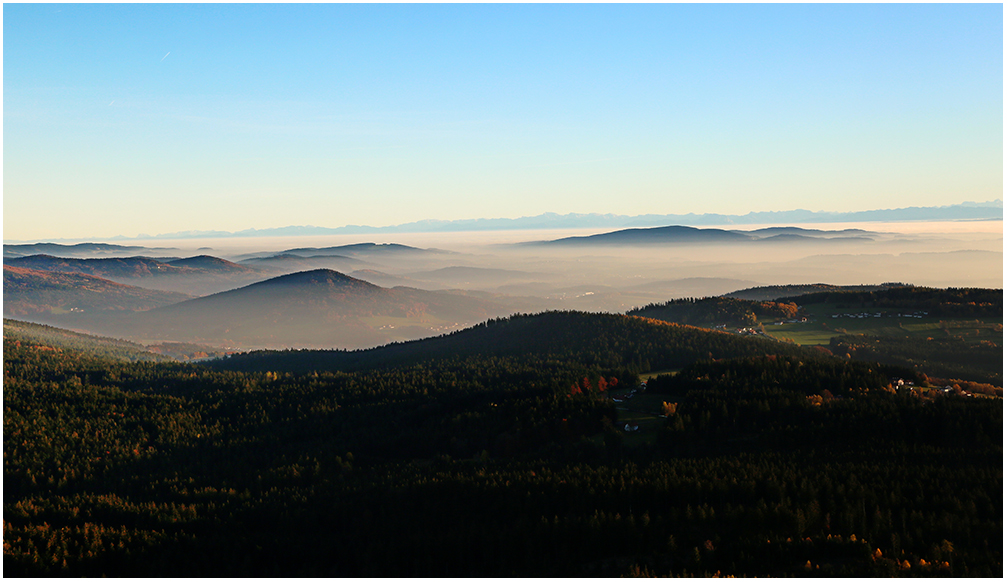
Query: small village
[865,315]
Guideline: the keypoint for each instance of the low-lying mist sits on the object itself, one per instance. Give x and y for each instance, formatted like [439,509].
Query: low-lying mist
[939,254]
[501,272]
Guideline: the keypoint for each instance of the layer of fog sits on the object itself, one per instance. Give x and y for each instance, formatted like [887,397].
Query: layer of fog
[936,254]
[501,273]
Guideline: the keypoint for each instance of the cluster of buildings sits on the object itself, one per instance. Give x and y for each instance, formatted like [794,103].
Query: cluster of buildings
[901,385]
[624,397]
[865,315]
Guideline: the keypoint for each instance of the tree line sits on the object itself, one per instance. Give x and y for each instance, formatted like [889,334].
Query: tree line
[506,463]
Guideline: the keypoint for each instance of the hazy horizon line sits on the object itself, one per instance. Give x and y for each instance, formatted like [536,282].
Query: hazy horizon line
[966,211]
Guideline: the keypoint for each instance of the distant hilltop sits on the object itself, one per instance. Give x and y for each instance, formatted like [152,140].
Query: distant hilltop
[990,210]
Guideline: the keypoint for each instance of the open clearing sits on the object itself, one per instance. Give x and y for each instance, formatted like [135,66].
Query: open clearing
[821,326]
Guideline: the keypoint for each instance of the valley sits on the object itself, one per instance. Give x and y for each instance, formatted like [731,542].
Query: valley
[503,290]
[482,275]
[498,410]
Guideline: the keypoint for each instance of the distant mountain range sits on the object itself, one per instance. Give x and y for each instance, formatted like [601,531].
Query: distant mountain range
[990,210]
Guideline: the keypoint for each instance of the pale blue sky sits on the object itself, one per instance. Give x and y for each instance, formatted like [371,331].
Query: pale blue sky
[120,119]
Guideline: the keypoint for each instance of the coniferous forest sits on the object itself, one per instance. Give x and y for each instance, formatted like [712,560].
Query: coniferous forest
[503,290]
[502,450]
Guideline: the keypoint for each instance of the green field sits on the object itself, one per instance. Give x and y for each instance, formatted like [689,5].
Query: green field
[801,333]
[822,327]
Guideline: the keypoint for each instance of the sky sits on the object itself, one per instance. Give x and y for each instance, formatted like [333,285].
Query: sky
[122,119]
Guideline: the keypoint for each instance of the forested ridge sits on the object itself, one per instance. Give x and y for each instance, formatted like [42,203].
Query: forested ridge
[950,302]
[709,311]
[595,339]
[980,361]
[966,345]
[57,338]
[774,292]
[974,355]
[495,453]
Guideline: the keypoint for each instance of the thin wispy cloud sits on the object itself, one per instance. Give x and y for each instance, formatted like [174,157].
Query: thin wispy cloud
[165,56]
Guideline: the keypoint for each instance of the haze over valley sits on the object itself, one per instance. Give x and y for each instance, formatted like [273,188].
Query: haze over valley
[554,290]
[344,292]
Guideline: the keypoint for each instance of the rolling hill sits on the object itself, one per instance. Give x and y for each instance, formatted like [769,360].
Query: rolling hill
[43,294]
[64,339]
[691,235]
[593,339]
[773,292]
[789,238]
[291,263]
[311,308]
[365,249]
[108,268]
[78,250]
[211,264]
[507,452]
[657,235]
[344,258]
[194,276]
[808,232]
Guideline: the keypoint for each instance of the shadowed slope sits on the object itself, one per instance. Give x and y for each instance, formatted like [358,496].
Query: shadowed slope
[593,339]
[194,276]
[124,267]
[312,308]
[212,264]
[28,292]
